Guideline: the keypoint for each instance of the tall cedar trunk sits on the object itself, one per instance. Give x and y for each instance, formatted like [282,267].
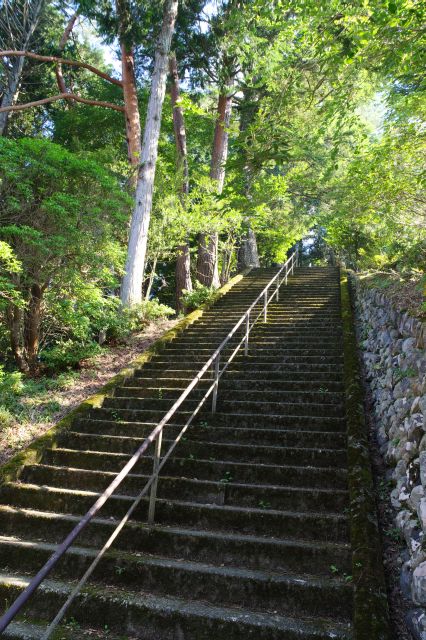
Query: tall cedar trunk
[207,259]
[183,256]
[131,289]
[247,254]
[32,327]
[130,95]
[131,106]
[29,21]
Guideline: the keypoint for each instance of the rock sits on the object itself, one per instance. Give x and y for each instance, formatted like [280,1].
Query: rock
[402,388]
[421,512]
[418,586]
[400,470]
[405,580]
[408,344]
[415,406]
[422,459]
[422,405]
[401,518]
[416,623]
[415,496]
[394,499]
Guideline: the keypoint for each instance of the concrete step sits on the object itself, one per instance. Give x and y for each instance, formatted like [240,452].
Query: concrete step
[205,469]
[255,589]
[222,492]
[327,527]
[233,548]
[147,616]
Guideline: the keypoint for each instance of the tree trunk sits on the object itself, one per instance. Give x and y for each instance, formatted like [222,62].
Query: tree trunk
[131,289]
[151,278]
[130,95]
[14,322]
[207,259]
[182,275]
[207,263]
[22,30]
[32,327]
[11,92]
[131,106]
[183,257]
[247,254]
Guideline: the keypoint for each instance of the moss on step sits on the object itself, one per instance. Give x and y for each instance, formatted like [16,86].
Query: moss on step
[371,615]
[33,453]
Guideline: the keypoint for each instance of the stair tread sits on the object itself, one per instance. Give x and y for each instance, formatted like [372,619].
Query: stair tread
[315,627]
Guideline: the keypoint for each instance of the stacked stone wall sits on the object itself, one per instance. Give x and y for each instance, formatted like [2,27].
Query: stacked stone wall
[393,345]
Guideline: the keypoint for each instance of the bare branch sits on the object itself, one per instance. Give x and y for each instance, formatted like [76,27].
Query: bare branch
[56,60]
[62,96]
[63,41]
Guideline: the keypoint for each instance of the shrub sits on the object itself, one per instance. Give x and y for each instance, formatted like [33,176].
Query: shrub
[138,316]
[68,354]
[198,296]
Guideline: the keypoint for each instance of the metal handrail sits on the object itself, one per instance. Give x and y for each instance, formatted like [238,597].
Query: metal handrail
[155,436]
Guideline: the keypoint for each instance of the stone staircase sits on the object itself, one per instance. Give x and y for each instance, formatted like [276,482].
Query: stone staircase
[251,537]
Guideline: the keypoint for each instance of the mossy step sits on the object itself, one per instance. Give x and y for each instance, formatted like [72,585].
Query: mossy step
[221,419]
[204,431]
[225,451]
[256,349]
[175,376]
[285,384]
[234,549]
[151,617]
[252,364]
[263,341]
[222,492]
[283,408]
[152,385]
[205,469]
[255,589]
[274,522]
[315,377]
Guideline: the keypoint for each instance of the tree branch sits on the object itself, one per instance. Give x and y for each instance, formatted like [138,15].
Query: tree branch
[63,41]
[56,60]
[63,96]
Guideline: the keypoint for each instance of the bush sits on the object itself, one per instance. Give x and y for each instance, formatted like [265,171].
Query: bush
[68,354]
[138,316]
[198,296]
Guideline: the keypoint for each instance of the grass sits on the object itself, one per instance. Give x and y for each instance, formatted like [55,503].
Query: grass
[26,405]
[406,291]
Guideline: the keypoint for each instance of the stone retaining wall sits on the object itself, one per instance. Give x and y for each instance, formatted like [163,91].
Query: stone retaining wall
[393,349]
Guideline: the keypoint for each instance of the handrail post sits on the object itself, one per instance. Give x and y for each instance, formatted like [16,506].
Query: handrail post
[277,297]
[153,495]
[216,382]
[246,342]
[286,274]
[265,305]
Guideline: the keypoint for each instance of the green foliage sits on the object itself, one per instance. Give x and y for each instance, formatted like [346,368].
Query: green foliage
[198,296]
[69,354]
[9,267]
